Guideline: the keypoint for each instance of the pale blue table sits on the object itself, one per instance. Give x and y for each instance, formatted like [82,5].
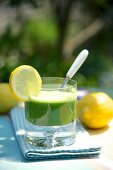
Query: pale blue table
[12,159]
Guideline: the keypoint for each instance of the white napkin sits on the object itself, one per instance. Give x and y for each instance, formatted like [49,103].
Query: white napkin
[84,146]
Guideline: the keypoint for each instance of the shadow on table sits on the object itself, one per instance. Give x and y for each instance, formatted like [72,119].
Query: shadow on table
[97,131]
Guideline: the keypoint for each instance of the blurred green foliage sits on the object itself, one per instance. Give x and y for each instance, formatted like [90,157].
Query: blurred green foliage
[35,43]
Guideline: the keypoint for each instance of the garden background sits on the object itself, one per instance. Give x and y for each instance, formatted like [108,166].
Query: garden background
[49,35]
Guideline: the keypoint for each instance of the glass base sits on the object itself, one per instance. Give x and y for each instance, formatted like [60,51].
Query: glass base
[49,137]
[51,141]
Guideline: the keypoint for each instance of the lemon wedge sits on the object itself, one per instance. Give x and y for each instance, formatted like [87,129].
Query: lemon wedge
[24,82]
[95,110]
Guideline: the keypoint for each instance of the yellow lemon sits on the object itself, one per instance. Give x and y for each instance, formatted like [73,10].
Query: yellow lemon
[7,101]
[95,110]
[24,82]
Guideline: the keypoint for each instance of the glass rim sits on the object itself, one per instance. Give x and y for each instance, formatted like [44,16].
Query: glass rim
[73,85]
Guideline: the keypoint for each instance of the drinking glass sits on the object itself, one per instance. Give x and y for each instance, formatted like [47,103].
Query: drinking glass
[51,116]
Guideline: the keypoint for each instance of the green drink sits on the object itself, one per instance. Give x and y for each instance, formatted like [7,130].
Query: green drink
[51,108]
[51,116]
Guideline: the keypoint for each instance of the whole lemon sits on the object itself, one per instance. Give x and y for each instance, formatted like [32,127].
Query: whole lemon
[7,101]
[95,110]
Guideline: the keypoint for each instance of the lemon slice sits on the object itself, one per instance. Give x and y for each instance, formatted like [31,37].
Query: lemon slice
[24,82]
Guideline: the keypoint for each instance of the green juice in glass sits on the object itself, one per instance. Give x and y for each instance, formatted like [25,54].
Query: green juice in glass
[51,108]
[51,116]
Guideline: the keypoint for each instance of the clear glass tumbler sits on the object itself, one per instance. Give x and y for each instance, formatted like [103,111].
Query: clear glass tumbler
[51,116]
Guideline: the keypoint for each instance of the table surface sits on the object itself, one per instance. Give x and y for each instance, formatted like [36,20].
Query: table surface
[11,157]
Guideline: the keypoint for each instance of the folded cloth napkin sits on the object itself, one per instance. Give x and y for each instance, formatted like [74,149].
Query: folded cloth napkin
[83,147]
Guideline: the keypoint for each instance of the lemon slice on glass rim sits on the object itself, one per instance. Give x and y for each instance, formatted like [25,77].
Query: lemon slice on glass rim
[24,82]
